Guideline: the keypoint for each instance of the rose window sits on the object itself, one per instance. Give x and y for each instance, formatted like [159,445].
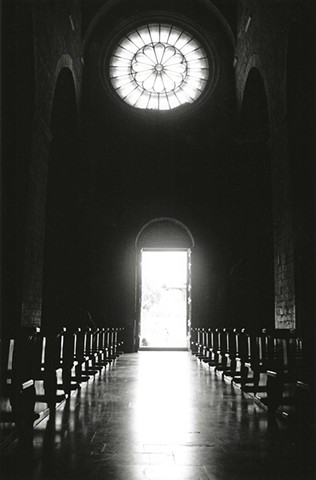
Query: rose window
[158,67]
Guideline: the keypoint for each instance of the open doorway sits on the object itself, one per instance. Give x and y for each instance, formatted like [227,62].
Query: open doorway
[164,298]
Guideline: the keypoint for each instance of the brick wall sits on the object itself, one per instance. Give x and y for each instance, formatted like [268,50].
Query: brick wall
[57,44]
[262,43]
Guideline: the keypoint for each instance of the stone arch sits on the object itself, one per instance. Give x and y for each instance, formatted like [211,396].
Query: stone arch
[251,276]
[113,4]
[167,234]
[255,76]
[60,273]
[64,64]
[164,232]
[254,115]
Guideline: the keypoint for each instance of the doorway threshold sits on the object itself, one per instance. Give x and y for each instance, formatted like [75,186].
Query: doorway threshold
[163,349]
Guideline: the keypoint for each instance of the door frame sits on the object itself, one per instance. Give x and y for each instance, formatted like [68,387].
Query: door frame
[138,292]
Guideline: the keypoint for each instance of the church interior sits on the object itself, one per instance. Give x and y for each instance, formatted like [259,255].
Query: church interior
[163,129]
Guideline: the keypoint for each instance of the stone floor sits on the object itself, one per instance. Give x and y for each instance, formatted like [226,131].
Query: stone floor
[159,416]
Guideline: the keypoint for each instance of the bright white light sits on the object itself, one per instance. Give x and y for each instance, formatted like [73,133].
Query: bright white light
[167,267]
[157,66]
[159,417]
[164,290]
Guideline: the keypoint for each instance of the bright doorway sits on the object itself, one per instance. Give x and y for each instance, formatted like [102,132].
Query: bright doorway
[164,299]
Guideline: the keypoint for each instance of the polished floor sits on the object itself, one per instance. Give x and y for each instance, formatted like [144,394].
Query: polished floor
[159,416]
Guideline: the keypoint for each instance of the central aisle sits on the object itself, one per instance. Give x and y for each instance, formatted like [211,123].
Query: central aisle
[156,416]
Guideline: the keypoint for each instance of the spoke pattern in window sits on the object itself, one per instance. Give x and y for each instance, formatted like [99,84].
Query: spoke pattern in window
[158,67]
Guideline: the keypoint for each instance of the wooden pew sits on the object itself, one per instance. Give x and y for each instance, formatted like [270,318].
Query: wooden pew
[111,343]
[120,341]
[51,376]
[18,388]
[213,347]
[267,365]
[7,350]
[83,361]
[257,363]
[199,343]
[66,362]
[242,357]
[203,353]
[114,343]
[231,354]
[194,341]
[206,348]
[100,348]
[90,351]
[283,370]
[222,352]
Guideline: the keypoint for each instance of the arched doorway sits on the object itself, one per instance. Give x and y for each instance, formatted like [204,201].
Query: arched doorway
[251,292]
[61,249]
[163,285]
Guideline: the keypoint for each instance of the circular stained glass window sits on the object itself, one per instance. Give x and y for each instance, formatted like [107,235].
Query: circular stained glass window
[158,67]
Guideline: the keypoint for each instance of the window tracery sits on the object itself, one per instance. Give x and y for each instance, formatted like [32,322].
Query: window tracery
[159,67]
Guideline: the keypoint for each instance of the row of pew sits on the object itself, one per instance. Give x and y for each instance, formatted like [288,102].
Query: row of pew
[269,365]
[44,369]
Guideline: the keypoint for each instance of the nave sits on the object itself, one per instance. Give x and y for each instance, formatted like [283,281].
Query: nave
[158,416]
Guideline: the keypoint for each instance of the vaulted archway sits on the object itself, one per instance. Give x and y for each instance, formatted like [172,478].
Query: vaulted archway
[163,285]
[60,276]
[251,275]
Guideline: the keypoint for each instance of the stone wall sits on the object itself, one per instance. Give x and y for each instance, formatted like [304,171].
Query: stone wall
[57,45]
[262,44]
